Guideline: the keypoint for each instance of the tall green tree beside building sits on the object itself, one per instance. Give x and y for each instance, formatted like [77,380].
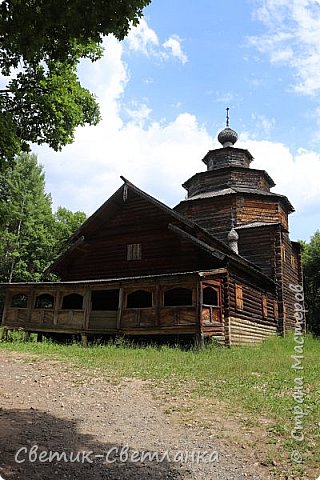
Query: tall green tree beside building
[26,237]
[66,223]
[30,233]
[311,267]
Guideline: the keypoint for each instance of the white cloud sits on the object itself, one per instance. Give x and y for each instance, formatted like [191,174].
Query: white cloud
[174,45]
[292,38]
[138,113]
[156,155]
[145,40]
[263,124]
[226,98]
[296,176]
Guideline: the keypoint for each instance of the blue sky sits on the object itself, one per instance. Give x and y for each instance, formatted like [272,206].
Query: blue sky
[163,93]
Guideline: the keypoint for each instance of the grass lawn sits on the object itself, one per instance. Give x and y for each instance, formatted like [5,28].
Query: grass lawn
[256,382]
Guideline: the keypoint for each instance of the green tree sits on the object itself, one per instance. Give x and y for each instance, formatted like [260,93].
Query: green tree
[26,235]
[45,39]
[311,267]
[30,234]
[66,223]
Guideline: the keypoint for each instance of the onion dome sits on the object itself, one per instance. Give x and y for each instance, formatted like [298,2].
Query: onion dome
[227,137]
[233,238]
[233,235]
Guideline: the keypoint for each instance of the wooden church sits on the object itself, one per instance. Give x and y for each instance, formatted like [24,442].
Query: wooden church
[218,265]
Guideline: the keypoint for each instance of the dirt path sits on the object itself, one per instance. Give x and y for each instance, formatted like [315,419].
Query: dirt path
[61,409]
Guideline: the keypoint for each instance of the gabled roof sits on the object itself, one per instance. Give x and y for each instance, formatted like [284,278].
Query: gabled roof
[102,212]
[180,225]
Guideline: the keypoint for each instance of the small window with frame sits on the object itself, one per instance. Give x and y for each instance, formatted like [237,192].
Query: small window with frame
[72,301]
[239,298]
[265,306]
[20,300]
[105,300]
[210,296]
[177,297]
[134,251]
[140,299]
[44,301]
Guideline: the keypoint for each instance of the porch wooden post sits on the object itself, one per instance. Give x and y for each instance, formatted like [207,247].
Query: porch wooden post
[26,336]
[4,334]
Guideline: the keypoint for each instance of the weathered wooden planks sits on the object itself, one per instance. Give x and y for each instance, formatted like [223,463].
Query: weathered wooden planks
[244,332]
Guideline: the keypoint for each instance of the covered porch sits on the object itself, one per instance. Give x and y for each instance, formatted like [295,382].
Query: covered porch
[188,303]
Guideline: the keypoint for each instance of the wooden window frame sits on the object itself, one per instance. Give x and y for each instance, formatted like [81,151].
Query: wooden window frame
[169,289]
[14,295]
[134,251]
[138,290]
[264,304]
[293,261]
[239,297]
[51,294]
[104,291]
[218,292]
[67,294]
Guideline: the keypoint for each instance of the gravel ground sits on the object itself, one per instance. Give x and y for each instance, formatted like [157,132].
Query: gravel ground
[58,408]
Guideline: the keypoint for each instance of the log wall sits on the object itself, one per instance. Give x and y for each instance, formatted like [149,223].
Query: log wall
[245,332]
[255,209]
[214,213]
[258,245]
[289,272]
[104,253]
[250,322]
[227,177]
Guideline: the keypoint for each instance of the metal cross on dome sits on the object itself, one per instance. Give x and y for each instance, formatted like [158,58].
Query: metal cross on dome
[227,122]
[232,217]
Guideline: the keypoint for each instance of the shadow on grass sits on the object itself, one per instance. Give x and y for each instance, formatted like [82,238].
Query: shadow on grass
[25,428]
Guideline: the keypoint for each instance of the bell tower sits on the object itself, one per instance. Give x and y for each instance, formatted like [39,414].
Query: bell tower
[230,185]
[234,202]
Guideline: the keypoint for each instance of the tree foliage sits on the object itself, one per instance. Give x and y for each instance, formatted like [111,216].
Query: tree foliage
[311,266]
[30,233]
[44,40]
[66,223]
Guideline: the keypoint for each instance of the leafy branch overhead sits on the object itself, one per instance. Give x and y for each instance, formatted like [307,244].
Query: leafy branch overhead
[43,40]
